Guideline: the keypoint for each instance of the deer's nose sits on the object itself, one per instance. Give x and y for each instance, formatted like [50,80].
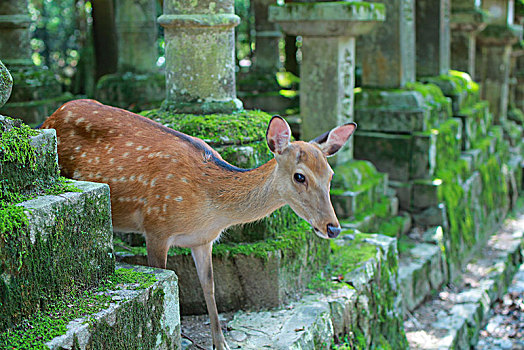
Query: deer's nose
[333,231]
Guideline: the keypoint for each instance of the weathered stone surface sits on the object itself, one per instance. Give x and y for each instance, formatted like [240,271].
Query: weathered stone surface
[391,111]
[453,318]
[369,315]
[403,157]
[37,261]
[425,194]
[138,84]
[433,37]
[137,318]
[6,84]
[14,32]
[251,275]
[200,64]
[331,19]
[22,177]
[387,53]
[421,270]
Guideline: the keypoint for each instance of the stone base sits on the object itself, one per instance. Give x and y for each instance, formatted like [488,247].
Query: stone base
[256,275]
[65,245]
[130,314]
[134,92]
[204,107]
[271,102]
[365,315]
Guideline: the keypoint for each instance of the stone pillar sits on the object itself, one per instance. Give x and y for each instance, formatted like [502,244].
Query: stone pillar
[494,47]
[328,33]
[138,83]
[36,93]
[200,49]
[266,56]
[467,20]
[387,54]
[433,37]
[6,84]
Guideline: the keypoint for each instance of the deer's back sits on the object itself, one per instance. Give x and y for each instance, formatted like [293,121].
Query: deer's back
[158,177]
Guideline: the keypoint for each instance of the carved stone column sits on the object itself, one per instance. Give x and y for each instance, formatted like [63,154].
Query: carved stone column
[200,49]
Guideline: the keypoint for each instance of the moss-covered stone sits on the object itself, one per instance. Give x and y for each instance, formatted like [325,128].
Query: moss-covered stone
[37,256]
[6,84]
[134,92]
[255,275]
[133,308]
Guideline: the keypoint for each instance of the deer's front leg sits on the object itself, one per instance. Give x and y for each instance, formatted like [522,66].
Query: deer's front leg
[204,266]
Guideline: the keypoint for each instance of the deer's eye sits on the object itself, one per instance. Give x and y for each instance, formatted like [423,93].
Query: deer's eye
[300,178]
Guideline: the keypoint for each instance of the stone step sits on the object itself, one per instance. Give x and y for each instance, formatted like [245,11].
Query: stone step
[363,303]
[453,318]
[65,242]
[136,308]
[27,171]
[256,275]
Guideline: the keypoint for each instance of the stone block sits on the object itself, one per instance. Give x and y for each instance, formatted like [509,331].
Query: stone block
[66,244]
[431,216]
[131,91]
[138,309]
[18,177]
[403,192]
[397,111]
[368,314]
[256,275]
[6,84]
[402,157]
[476,122]
[425,194]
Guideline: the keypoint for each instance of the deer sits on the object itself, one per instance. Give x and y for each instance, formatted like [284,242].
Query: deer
[178,191]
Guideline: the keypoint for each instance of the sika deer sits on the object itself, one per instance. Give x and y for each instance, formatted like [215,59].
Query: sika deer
[176,190]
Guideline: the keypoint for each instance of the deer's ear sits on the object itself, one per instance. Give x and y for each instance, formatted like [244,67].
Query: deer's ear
[278,134]
[331,141]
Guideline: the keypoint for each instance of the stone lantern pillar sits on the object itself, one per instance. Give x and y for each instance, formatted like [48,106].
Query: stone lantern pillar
[328,31]
[266,55]
[433,37]
[138,83]
[467,20]
[36,93]
[200,49]
[494,50]
[6,84]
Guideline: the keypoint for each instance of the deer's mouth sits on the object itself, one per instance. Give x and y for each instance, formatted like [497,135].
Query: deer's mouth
[320,233]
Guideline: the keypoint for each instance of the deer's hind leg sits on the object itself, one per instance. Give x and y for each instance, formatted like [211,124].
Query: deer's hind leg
[157,251]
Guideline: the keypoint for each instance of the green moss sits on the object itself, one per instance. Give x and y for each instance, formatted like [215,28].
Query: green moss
[41,327]
[216,129]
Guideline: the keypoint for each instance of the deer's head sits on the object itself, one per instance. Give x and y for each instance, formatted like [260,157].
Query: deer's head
[304,174]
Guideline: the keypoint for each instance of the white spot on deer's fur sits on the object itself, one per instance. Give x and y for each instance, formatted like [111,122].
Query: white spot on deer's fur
[95,112]
[139,148]
[77,174]
[169,176]
[123,179]
[114,179]
[164,208]
[157,196]
[129,143]
[98,175]
[125,155]
[68,116]
[110,150]
[132,178]
[168,197]
[147,148]
[62,108]
[78,148]
[88,127]
[83,155]
[72,133]
[140,178]
[58,141]
[120,168]
[71,157]
[174,160]
[149,210]
[111,160]
[121,199]
[184,180]
[79,120]
[105,179]
[97,160]
[153,182]
[179,199]
[140,158]
[90,160]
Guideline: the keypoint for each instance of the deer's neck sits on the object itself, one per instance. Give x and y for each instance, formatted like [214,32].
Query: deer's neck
[249,196]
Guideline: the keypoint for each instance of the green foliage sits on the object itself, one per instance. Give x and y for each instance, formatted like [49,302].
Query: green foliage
[43,326]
